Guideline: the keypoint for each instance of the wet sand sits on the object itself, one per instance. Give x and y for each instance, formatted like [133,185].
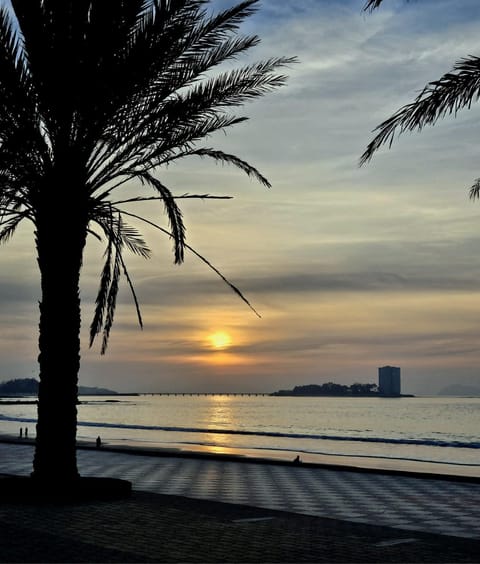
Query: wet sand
[357,462]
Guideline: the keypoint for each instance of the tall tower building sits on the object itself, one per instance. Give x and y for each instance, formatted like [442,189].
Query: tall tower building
[389,381]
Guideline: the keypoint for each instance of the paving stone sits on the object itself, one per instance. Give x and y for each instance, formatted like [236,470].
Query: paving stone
[332,515]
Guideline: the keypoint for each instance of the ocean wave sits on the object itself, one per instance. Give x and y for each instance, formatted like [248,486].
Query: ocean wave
[424,441]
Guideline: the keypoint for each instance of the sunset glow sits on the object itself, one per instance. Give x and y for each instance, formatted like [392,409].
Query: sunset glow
[220,340]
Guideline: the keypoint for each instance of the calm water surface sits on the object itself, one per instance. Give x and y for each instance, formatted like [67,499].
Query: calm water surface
[428,429]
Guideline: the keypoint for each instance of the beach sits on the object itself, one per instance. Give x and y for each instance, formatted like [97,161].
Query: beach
[361,463]
[218,509]
[437,435]
[201,494]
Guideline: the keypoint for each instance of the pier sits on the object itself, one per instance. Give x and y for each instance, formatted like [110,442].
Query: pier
[207,394]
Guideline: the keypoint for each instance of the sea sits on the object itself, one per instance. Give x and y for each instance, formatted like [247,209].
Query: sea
[409,432]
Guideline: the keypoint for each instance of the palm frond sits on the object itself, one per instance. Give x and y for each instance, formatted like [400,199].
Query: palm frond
[453,91]
[132,239]
[132,290]
[94,234]
[20,121]
[475,190]
[180,43]
[222,157]
[372,5]
[234,88]
[210,98]
[111,301]
[201,257]
[181,197]
[14,201]
[227,282]
[146,110]
[188,57]
[109,284]
[227,21]
[9,228]
[173,212]
[187,133]
[160,124]
[150,148]
[119,235]
[15,85]
[101,300]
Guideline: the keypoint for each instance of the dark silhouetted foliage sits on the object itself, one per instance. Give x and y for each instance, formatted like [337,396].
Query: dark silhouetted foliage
[95,94]
[331,389]
[455,90]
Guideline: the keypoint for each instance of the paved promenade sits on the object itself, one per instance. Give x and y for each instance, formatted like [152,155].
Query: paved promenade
[206,510]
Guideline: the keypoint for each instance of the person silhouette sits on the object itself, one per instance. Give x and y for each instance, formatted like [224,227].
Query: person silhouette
[98,442]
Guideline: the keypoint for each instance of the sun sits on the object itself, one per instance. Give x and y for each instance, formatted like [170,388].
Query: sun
[220,340]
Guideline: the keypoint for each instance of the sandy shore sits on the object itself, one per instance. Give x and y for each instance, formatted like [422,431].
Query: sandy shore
[265,455]
[390,465]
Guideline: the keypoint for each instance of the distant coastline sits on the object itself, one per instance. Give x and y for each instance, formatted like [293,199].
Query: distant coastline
[330,389]
[22,387]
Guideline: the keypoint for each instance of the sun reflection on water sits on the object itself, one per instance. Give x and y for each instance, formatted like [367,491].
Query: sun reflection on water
[220,415]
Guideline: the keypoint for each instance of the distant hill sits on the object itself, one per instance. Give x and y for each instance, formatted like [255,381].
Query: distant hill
[89,391]
[23,386]
[29,387]
[459,390]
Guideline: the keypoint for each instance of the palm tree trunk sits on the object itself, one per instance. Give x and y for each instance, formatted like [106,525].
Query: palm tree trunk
[60,240]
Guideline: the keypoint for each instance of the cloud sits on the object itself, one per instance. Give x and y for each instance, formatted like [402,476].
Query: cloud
[349,267]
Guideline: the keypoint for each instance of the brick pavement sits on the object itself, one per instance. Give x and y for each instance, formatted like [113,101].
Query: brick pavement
[157,528]
[401,501]
[154,527]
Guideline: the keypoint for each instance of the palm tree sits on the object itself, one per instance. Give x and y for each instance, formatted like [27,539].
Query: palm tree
[455,90]
[93,95]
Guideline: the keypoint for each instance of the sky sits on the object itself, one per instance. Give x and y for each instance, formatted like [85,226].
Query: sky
[350,268]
